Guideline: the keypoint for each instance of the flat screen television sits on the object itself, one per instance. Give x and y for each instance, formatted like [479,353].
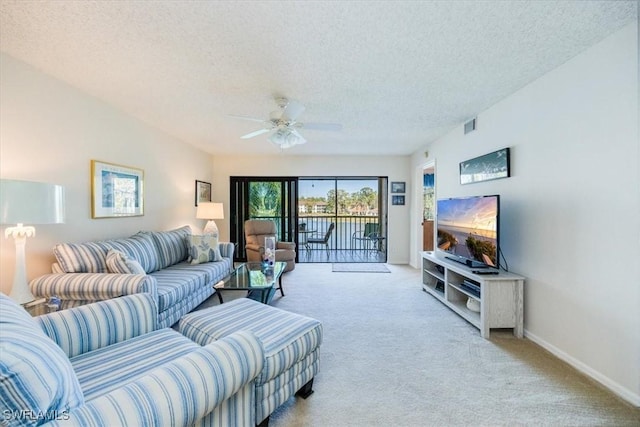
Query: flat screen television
[468,230]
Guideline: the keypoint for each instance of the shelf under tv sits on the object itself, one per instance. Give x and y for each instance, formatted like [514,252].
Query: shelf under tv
[501,295]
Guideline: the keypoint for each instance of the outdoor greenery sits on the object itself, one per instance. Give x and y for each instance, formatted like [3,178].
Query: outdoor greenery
[340,202]
[264,199]
[429,203]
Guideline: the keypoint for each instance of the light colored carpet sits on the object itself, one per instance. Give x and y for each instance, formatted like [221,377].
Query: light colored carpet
[359,267]
[394,356]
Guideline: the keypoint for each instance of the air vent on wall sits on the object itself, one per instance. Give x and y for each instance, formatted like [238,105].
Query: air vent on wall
[470,126]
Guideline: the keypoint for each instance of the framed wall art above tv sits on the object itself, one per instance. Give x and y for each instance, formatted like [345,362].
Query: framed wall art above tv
[491,166]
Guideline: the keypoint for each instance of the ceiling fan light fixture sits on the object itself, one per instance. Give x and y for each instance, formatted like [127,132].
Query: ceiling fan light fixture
[284,125]
[285,138]
[275,115]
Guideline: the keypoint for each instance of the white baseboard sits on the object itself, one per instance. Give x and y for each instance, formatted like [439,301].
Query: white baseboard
[616,388]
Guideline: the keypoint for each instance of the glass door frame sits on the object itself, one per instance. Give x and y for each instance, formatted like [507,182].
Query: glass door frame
[239,210]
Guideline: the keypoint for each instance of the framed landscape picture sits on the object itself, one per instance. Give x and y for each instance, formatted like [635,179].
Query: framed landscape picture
[116,190]
[203,192]
[398,187]
[491,166]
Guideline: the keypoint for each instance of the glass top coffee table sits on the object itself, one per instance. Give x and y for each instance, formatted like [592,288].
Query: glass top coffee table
[258,280]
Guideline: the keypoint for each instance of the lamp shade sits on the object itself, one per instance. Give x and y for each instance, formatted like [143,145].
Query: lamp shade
[28,202]
[210,210]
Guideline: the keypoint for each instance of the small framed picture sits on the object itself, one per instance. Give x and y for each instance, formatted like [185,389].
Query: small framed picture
[203,192]
[116,190]
[398,187]
[397,200]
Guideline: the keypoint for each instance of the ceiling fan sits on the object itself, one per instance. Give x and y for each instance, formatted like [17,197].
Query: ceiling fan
[284,126]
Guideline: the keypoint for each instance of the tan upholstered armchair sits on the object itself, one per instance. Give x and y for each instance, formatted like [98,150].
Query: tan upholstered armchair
[255,231]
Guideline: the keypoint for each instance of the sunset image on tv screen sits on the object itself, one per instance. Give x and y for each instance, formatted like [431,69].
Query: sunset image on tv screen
[468,228]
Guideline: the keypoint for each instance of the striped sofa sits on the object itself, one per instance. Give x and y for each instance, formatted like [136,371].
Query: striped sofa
[154,262]
[106,364]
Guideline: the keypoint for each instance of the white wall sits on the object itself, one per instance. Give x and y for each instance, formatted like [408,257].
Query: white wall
[396,168]
[570,214]
[50,132]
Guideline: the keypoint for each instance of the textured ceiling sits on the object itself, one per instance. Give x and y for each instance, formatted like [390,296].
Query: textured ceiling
[396,75]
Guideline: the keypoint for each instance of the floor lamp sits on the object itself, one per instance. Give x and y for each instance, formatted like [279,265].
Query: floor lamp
[27,202]
[210,211]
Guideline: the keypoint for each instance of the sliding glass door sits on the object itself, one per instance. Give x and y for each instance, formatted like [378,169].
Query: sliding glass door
[356,206]
[270,198]
[304,208]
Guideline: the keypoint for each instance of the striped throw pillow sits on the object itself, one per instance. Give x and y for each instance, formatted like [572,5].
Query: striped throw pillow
[121,263]
[91,257]
[171,245]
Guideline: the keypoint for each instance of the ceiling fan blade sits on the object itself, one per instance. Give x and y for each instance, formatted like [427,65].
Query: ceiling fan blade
[253,119]
[320,126]
[292,111]
[256,133]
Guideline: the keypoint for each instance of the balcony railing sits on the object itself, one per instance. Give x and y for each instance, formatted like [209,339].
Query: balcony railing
[342,236]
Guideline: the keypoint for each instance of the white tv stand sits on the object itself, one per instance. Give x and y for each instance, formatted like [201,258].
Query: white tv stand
[501,297]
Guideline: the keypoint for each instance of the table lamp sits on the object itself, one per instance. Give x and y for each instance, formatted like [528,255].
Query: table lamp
[210,211]
[27,202]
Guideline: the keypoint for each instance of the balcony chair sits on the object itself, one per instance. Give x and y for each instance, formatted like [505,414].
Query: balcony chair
[255,230]
[324,240]
[368,239]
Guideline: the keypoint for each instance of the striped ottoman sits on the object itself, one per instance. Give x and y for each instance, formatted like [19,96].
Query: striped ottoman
[291,346]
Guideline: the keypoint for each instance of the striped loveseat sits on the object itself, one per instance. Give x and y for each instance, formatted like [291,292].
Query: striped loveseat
[161,263]
[106,364]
